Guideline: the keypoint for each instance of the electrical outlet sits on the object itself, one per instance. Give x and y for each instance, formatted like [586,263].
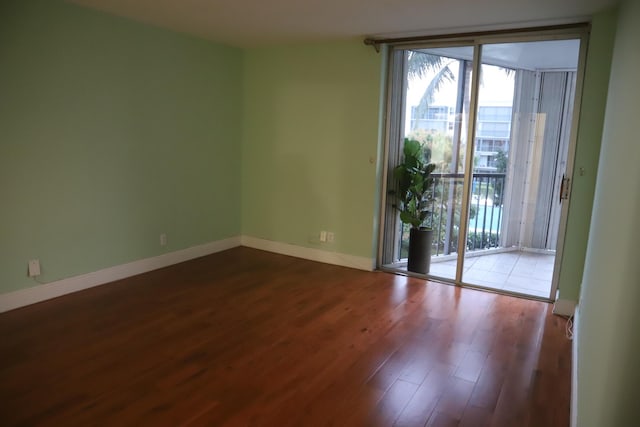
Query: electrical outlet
[323,236]
[330,236]
[34,268]
[163,239]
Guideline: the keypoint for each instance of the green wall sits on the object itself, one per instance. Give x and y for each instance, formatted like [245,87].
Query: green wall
[609,315]
[310,145]
[111,132]
[594,97]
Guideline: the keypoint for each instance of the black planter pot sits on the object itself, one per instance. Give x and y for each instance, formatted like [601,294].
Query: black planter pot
[419,250]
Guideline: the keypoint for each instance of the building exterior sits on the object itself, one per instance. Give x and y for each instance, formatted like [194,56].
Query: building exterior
[492,131]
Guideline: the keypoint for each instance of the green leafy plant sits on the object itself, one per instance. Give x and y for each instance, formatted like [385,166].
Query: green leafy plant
[415,183]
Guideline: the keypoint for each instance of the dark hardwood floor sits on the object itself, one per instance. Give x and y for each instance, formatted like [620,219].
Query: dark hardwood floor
[245,337]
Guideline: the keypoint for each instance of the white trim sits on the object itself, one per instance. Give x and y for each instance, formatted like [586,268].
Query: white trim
[336,258]
[35,294]
[564,307]
[539,251]
[32,295]
[574,369]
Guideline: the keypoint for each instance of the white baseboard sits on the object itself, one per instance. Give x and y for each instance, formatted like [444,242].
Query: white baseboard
[336,258]
[574,369]
[32,295]
[564,307]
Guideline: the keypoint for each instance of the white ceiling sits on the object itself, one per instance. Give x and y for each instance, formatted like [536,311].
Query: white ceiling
[249,23]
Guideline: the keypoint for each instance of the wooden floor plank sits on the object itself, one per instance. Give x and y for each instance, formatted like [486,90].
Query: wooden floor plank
[245,337]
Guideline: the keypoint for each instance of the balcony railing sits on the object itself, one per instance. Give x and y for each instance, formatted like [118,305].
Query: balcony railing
[485,213]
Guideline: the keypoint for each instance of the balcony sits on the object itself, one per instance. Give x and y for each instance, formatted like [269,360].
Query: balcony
[485,214]
[489,262]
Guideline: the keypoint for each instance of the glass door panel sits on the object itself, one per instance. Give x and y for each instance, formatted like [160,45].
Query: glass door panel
[435,107]
[521,141]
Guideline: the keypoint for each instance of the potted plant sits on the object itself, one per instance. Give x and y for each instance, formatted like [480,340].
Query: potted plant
[414,194]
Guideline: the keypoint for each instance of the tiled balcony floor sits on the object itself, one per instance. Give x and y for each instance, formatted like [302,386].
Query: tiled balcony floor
[523,272]
[517,271]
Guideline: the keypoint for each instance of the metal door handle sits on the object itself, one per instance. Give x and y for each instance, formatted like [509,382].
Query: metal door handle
[564,188]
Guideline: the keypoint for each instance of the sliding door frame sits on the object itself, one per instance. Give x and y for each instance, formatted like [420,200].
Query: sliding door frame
[392,130]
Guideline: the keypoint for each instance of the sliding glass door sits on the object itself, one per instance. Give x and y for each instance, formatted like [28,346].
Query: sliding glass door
[495,117]
[435,110]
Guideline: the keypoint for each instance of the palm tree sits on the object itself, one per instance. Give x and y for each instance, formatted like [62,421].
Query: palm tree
[419,65]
